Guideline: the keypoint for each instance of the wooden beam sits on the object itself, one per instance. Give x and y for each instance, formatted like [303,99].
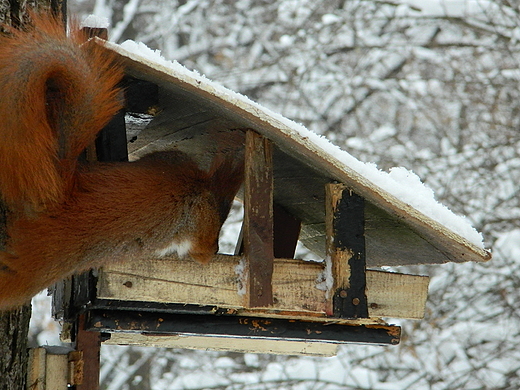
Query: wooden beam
[286,233]
[48,368]
[36,369]
[258,220]
[99,32]
[239,327]
[111,142]
[215,343]
[89,345]
[296,289]
[140,96]
[57,371]
[345,227]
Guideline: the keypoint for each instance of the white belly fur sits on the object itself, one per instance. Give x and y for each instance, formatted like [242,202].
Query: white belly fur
[181,247]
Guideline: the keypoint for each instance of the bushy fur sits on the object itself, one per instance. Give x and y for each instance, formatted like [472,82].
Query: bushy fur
[56,94]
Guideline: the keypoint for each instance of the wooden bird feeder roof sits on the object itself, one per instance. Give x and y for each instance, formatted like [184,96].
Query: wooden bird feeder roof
[191,109]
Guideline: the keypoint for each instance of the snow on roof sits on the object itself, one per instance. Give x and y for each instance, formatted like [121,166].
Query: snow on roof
[403,184]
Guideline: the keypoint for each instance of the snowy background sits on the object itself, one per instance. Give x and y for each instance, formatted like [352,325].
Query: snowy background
[428,85]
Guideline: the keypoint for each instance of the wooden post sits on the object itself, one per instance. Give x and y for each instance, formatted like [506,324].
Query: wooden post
[286,233]
[258,220]
[111,143]
[88,344]
[345,225]
[99,32]
[48,368]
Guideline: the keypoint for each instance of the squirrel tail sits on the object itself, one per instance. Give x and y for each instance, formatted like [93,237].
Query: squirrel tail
[57,92]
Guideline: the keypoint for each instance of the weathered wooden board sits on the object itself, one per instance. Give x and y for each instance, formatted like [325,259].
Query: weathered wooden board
[389,241]
[239,328]
[258,226]
[36,369]
[385,288]
[57,371]
[48,368]
[229,344]
[295,287]
[88,344]
[346,251]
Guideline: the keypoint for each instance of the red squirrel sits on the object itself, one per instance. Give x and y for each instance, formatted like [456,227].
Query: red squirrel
[56,93]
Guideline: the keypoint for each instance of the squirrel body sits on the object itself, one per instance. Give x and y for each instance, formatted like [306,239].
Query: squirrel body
[67,216]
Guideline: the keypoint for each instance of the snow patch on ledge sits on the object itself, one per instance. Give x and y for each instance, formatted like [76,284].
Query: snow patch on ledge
[94,21]
[403,184]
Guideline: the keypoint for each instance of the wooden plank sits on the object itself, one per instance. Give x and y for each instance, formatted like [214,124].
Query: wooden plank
[111,142]
[258,220]
[57,372]
[173,280]
[286,233]
[238,328]
[345,227]
[91,32]
[48,368]
[227,344]
[36,369]
[389,241]
[405,293]
[296,286]
[76,367]
[141,96]
[340,269]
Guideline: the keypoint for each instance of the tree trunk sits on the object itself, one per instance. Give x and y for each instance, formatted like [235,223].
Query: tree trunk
[14,324]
